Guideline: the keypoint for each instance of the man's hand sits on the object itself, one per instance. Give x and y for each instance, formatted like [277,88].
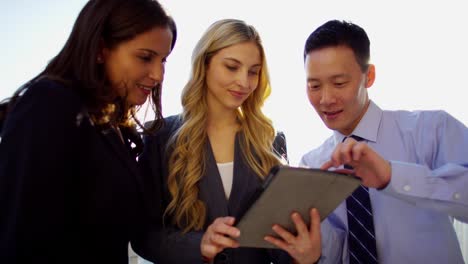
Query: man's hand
[374,171]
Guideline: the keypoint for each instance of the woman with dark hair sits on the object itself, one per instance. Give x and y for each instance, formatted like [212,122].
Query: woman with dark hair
[70,190]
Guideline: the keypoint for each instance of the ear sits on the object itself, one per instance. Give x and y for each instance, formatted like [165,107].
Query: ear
[370,76]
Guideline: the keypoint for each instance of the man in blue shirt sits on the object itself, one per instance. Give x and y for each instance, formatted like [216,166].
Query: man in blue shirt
[413,165]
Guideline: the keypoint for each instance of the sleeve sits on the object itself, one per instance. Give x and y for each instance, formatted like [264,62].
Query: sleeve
[36,154]
[169,245]
[279,145]
[439,182]
[333,241]
[158,242]
[279,256]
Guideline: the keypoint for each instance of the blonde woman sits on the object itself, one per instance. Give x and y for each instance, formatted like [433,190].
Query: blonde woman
[210,159]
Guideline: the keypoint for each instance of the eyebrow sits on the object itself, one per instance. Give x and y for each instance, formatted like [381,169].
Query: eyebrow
[150,51]
[239,62]
[342,75]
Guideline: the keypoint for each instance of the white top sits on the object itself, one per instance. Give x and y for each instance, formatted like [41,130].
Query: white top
[226,171]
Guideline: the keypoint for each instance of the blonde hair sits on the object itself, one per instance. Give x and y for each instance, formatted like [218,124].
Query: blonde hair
[187,161]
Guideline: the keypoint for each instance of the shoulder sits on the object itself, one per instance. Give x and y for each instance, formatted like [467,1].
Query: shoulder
[316,157]
[157,141]
[421,119]
[170,124]
[44,106]
[163,134]
[173,121]
[50,89]
[49,100]
[52,95]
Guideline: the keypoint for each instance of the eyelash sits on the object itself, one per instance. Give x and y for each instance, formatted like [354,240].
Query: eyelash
[234,68]
[146,58]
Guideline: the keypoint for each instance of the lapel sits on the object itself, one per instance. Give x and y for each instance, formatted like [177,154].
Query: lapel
[121,150]
[212,193]
[211,187]
[244,183]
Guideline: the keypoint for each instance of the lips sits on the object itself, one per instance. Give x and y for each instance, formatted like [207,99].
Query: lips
[332,114]
[146,89]
[237,94]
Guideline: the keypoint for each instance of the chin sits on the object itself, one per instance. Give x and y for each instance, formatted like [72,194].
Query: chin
[330,125]
[138,101]
[232,106]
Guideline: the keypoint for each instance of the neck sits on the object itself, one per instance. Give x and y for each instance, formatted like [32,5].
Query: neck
[348,132]
[221,117]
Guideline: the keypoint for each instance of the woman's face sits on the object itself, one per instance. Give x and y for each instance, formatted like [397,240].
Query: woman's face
[136,66]
[232,75]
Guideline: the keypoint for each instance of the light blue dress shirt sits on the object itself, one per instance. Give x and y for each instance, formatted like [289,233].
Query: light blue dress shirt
[428,152]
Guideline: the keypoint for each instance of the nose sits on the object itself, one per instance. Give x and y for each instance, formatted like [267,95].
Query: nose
[157,73]
[327,96]
[243,79]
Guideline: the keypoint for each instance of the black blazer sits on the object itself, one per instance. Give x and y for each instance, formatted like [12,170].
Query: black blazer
[69,192]
[167,244]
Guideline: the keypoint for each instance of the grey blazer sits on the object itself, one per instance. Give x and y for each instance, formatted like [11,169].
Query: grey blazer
[163,243]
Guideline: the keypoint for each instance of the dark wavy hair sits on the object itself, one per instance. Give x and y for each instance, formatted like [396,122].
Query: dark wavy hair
[111,22]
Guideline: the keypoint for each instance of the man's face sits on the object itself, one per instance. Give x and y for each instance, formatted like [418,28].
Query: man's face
[337,87]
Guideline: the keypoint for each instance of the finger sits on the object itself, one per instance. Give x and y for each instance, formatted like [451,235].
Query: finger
[224,226]
[301,227]
[280,244]
[223,241]
[228,220]
[358,150]
[284,234]
[335,157]
[327,165]
[315,224]
[347,150]
[210,250]
[344,171]
[349,140]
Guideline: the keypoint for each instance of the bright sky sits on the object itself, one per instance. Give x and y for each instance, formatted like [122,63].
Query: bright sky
[419,48]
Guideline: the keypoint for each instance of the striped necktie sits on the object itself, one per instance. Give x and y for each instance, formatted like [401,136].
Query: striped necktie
[361,236]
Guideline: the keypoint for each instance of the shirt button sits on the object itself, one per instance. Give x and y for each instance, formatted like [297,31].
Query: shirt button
[407,188]
[456,196]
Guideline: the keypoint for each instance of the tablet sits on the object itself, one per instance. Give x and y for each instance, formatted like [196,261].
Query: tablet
[287,189]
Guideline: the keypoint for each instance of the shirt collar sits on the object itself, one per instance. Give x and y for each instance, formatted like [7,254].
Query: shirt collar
[368,127]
